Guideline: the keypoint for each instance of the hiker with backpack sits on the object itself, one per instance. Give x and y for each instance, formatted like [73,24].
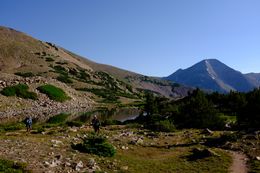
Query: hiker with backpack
[28,123]
[95,124]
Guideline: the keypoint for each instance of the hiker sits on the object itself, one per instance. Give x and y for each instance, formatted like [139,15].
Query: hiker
[28,123]
[95,123]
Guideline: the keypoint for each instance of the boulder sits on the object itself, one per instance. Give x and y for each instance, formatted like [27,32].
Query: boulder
[198,153]
[58,157]
[124,168]
[124,148]
[78,166]
[52,164]
[91,163]
[140,141]
[57,142]
[207,132]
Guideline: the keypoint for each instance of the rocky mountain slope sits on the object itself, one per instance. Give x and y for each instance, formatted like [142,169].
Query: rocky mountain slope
[212,74]
[254,78]
[24,59]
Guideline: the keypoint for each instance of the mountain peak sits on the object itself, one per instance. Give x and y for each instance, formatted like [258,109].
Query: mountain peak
[212,74]
[211,61]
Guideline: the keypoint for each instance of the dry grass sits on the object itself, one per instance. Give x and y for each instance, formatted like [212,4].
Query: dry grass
[36,148]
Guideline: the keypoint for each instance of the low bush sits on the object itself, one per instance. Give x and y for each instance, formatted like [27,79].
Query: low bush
[9,91]
[75,123]
[231,137]
[12,126]
[49,59]
[85,117]
[162,126]
[199,153]
[96,144]
[62,62]
[254,166]
[108,122]
[40,130]
[64,79]
[25,74]
[83,75]
[133,125]
[58,119]
[8,166]
[219,141]
[54,93]
[20,90]
[107,94]
[60,69]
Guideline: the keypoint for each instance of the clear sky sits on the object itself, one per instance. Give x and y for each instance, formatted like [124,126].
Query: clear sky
[151,37]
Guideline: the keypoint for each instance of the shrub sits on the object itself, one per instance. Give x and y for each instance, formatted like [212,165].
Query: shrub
[54,93]
[162,126]
[49,59]
[74,123]
[40,130]
[133,125]
[226,137]
[254,166]
[107,94]
[12,167]
[110,122]
[199,153]
[96,144]
[11,126]
[62,63]
[20,90]
[60,69]
[58,119]
[83,75]
[25,74]
[231,137]
[64,79]
[84,117]
[9,91]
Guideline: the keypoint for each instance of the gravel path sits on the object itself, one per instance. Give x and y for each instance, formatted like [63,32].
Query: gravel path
[239,163]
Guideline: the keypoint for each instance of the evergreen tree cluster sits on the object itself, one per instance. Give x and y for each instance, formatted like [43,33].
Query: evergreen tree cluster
[245,106]
[202,110]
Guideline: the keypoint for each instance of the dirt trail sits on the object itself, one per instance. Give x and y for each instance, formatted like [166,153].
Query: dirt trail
[239,163]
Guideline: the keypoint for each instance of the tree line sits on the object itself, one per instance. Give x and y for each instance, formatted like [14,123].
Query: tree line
[203,110]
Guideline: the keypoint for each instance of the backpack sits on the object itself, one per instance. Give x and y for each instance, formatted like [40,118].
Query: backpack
[96,123]
[29,121]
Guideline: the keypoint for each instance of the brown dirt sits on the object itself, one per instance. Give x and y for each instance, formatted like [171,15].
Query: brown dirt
[239,163]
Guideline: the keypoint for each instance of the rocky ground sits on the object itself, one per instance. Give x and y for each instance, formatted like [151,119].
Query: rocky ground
[14,108]
[138,150]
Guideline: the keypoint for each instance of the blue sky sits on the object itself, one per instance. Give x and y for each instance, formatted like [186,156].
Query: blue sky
[151,37]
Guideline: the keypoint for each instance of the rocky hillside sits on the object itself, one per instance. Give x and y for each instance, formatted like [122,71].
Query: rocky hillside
[254,78]
[26,60]
[212,74]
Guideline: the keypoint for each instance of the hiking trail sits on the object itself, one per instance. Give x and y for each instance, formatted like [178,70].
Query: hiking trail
[239,163]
